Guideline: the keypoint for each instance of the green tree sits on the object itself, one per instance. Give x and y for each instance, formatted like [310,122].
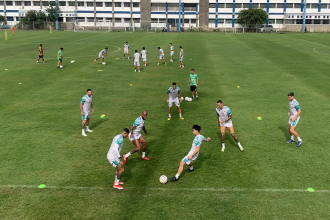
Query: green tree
[252,16]
[34,19]
[51,11]
[2,20]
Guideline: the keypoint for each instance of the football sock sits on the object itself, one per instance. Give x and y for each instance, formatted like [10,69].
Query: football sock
[169,115]
[196,96]
[223,145]
[193,96]
[128,154]
[177,176]
[116,178]
[239,144]
[299,139]
[87,127]
[143,154]
[191,167]
[83,131]
[180,115]
[292,137]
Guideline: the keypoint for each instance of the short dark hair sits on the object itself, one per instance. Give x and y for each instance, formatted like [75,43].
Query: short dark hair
[126,42]
[135,51]
[219,101]
[40,45]
[192,70]
[106,48]
[126,130]
[170,43]
[180,46]
[143,48]
[89,90]
[61,48]
[197,128]
[290,94]
[174,83]
[158,47]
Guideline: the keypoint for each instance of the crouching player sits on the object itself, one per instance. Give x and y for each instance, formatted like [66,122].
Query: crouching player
[114,157]
[193,153]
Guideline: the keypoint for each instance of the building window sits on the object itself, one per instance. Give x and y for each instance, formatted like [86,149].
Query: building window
[90,4]
[27,3]
[221,5]
[81,4]
[263,5]
[72,3]
[118,4]
[212,5]
[326,21]
[308,5]
[315,5]
[280,5]
[10,3]
[136,20]
[99,4]
[10,18]
[212,21]
[272,5]
[45,3]
[324,6]
[255,5]
[18,3]
[238,5]
[289,5]
[193,21]
[228,21]
[35,3]
[1,3]
[186,21]
[271,21]
[17,18]
[136,5]
[108,19]
[162,20]
[279,21]
[127,20]
[221,21]
[108,4]
[246,5]
[127,4]
[297,5]
[229,5]
[118,20]
[62,3]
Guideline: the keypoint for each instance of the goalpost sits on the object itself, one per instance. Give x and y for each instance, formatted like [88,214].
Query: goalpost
[77,25]
[240,30]
[104,25]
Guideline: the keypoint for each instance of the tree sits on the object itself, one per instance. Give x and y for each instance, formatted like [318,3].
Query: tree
[52,12]
[252,16]
[34,19]
[2,20]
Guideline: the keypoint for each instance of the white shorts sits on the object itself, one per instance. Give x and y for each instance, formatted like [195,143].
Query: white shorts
[86,115]
[136,63]
[175,101]
[172,53]
[185,159]
[181,59]
[114,162]
[162,57]
[294,123]
[101,55]
[227,124]
[135,136]
[125,51]
[144,59]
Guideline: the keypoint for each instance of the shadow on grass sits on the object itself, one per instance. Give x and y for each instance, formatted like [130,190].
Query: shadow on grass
[100,121]
[285,132]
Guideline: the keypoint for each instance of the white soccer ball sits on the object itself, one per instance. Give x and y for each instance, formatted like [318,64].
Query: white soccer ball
[72,61]
[103,63]
[61,66]
[181,99]
[189,99]
[186,99]
[163,179]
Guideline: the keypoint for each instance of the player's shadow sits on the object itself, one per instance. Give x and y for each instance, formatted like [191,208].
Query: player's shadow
[285,132]
[100,121]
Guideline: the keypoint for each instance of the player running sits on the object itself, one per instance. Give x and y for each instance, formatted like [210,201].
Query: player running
[60,58]
[114,157]
[85,106]
[172,52]
[181,58]
[193,153]
[136,60]
[224,121]
[41,54]
[193,84]
[294,115]
[103,53]
[161,55]
[136,137]
[173,95]
[126,50]
[144,56]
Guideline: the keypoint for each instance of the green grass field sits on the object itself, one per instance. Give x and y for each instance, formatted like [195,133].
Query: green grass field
[41,140]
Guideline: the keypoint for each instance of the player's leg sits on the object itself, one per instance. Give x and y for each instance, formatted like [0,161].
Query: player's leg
[134,67]
[119,172]
[128,55]
[179,110]
[164,60]
[222,132]
[87,123]
[144,147]
[231,129]
[137,146]
[293,132]
[43,59]
[159,60]
[83,125]
[182,163]
[169,109]
[196,94]
[291,135]
[138,65]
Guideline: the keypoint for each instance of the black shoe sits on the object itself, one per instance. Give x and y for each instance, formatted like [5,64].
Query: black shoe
[196,98]
[188,169]
[174,178]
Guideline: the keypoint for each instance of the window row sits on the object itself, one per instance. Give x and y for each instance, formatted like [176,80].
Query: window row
[308,16]
[229,21]
[72,3]
[271,5]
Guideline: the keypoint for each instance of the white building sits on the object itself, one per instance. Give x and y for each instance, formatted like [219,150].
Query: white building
[195,13]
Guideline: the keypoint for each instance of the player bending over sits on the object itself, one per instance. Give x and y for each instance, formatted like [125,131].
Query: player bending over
[103,53]
[126,50]
[173,95]
[193,153]
[294,115]
[136,60]
[41,54]
[224,121]
[161,56]
[136,137]
[114,157]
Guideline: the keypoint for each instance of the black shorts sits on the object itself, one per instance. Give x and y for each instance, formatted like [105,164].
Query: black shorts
[41,56]
[193,88]
[60,60]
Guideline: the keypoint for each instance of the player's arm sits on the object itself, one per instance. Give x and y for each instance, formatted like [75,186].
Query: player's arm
[229,117]
[132,129]
[189,82]
[197,82]
[218,119]
[167,96]
[193,154]
[298,113]
[81,109]
[145,131]
[179,94]
[92,107]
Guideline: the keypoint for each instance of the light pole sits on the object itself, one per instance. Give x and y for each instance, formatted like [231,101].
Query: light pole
[179,26]
[56,9]
[304,18]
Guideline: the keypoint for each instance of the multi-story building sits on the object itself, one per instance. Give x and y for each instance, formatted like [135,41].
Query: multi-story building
[194,13]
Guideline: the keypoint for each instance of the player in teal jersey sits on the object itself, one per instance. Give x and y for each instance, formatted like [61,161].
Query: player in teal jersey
[193,84]
[60,57]
[85,109]
[294,115]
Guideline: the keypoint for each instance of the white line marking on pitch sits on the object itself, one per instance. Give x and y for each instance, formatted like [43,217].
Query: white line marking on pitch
[316,43]
[167,189]
[314,49]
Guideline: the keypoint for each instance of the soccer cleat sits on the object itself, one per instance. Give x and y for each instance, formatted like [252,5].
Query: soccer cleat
[182,118]
[145,158]
[165,63]
[223,150]
[196,98]
[290,141]
[299,143]
[241,149]
[37,62]
[117,186]
[83,134]
[125,159]
[128,58]
[169,119]
[89,130]
[157,64]
[188,169]
[94,61]
[139,71]
[120,183]
[134,70]
[174,178]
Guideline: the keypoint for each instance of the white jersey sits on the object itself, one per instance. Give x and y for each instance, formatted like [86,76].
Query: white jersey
[136,57]
[86,103]
[115,148]
[223,114]
[181,53]
[161,52]
[126,46]
[144,53]
[172,48]
[294,108]
[173,94]
[139,124]
[197,142]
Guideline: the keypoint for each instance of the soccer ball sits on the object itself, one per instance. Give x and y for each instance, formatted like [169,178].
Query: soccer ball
[163,179]
[181,99]
[72,61]
[61,66]
[188,99]
[103,63]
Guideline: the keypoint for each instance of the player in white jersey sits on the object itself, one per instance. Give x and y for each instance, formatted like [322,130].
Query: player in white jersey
[126,50]
[144,56]
[85,106]
[173,95]
[193,153]
[224,121]
[294,115]
[114,157]
[136,137]
[181,58]
[103,53]
[161,56]
[172,52]
[136,60]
